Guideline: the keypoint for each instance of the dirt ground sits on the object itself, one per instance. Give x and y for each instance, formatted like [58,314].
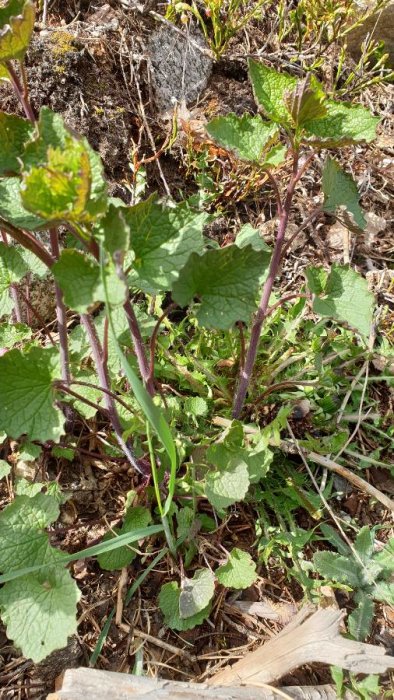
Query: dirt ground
[91,63]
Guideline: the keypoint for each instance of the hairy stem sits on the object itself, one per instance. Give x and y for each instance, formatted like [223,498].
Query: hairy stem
[102,372]
[247,369]
[61,315]
[21,92]
[139,348]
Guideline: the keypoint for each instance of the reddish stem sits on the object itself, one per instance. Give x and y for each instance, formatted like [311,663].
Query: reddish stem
[139,348]
[247,369]
[102,372]
[21,92]
[61,315]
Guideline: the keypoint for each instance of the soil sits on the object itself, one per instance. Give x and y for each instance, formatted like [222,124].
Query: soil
[91,63]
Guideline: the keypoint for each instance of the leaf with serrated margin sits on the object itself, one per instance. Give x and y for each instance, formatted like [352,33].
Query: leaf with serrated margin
[16,27]
[27,395]
[269,89]
[239,572]
[336,567]
[346,297]
[14,133]
[359,621]
[226,281]
[364,543]
[227,485]
[306,101]
[58,190]
[12,269]
[10,335]
[169,605]
[247,235]
[113,231]
[249,137]
[344,124]
[78,276]
[386,557]
[196,593]
[12,209]
[340,191]
[22,540]
[39,611]
[54,139]
[162,239]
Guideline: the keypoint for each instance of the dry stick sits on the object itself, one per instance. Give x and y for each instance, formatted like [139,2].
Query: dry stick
[61,314]
[247,369]
[38,317]
[103,376]
[353,478]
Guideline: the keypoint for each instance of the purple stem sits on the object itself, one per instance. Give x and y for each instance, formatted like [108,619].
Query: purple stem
[27,240]
[61,315]
[20,93]
[247,369]
[139,347]
[16,300]
[104,381]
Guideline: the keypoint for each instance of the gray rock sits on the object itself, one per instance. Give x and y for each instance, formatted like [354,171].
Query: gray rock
[181,66]
[380,26]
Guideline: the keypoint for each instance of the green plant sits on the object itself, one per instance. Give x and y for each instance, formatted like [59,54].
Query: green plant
[226,18]
[115,264]
[368,573]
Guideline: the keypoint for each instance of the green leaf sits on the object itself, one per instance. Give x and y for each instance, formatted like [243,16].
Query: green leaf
[16,27]
[22,540]
[68,165]
[239,572]
[335,539]
[360,620]
[269,89]
[59,188]
[162,239]
[79,278]
[113,231]
[39,611]
[316,278]
[347,298]
[29,452]
[12,209]
[336,567]
[364,543]
[384,592]
[386,557]
[248,137]
[196,593]
[169,605]
[306,101]
[275,156]
[344,124]
[229,485]
[14,132]
[11,334]
[27,395]
[12,269]
[5,468]
[340,191]
[195,406]
[67,453]
[23,487]
[35,265]
[226,281]
[135,519]
[248,235]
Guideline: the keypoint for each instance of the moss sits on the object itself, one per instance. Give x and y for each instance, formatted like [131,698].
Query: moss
[62,44]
